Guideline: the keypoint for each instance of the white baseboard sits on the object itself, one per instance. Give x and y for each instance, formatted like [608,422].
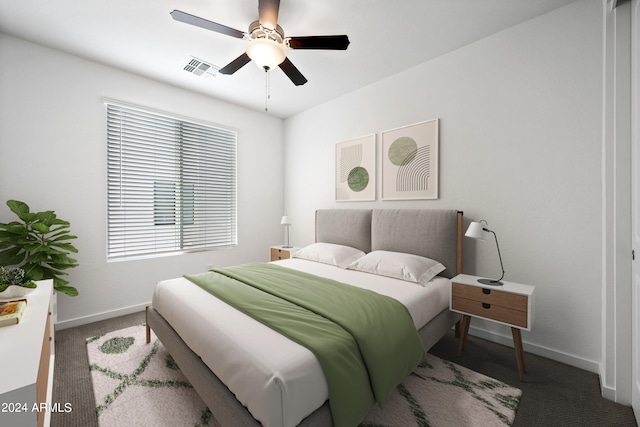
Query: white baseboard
[78,321]
[549,353]
[608,392]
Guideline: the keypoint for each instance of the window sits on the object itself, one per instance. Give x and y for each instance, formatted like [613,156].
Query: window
[171,184]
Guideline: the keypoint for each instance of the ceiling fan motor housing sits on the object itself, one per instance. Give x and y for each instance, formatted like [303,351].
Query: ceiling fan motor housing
[257,31]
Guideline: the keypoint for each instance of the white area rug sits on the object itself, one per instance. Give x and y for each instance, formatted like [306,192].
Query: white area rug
[139,384]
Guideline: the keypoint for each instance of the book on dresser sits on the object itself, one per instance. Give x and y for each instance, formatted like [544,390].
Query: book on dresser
[11,311]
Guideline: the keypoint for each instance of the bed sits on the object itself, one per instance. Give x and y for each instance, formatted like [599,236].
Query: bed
[207,354]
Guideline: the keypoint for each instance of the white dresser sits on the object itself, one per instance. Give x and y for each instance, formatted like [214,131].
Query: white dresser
[27,355]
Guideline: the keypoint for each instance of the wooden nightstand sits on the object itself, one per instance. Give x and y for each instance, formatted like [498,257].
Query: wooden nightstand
[280,252]
[510,304]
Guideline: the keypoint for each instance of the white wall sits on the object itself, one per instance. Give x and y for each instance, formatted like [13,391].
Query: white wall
[53,157]
[520,146]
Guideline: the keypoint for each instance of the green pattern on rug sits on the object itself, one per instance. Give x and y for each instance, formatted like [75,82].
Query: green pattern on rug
[132,379]
[139,384]
[441,393]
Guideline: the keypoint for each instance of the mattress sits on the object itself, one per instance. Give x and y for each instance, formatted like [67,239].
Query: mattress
[279,381]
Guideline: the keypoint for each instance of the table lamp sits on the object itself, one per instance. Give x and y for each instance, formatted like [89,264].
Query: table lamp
[477,230]
[286,221]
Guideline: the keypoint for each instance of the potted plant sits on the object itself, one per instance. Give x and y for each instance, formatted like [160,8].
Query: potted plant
[13,283]
[39,244]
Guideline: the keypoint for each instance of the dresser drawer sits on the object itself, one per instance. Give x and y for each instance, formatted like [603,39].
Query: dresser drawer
[278,254]
[490,311]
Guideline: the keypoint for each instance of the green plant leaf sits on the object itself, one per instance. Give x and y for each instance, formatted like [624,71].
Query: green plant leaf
[8,239]
[37,258]
[26,239]
[46,217]
[14,228]
[64,235]
[60,222]
[35,247]
[62,259]
[60,267]
[21,209]
[34,271]
[69,290]
[12,256]
[60,280]
[63,264]
[65,246]
[40,227]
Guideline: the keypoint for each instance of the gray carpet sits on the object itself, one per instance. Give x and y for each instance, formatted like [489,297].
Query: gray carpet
[554,394]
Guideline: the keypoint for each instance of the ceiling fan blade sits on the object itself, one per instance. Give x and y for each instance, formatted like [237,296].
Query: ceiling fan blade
[319,42]
[181,16]
[268,13]
[292,72]
[235,65]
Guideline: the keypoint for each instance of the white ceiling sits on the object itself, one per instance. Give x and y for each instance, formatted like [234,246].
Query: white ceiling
[386,37]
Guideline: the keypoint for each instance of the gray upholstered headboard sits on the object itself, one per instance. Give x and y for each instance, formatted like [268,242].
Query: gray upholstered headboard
[349,227]
[432,233]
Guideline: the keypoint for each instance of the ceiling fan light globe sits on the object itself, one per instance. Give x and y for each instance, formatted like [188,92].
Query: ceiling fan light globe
[266,53]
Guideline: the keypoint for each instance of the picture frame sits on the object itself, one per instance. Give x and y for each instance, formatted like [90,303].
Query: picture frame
[356,169]
[410,165]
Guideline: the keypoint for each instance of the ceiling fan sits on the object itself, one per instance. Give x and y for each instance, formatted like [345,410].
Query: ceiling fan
[267,44]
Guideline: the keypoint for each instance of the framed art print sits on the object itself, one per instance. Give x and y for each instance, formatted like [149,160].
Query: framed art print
[355,169]
[410,162]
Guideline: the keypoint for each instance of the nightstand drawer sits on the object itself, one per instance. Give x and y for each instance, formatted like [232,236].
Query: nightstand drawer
[490,311]
[492,304]
[277,254]
[490,296]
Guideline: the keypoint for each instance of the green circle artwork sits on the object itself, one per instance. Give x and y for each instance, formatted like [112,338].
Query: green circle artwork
[402,151]
[358,179]
[116,345]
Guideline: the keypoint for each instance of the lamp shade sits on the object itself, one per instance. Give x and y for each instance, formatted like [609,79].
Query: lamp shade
[285,220]
[475,231]
[266,53]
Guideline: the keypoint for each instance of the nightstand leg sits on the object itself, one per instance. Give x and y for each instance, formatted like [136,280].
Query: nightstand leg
[146,318]
[464,330]
[517,344]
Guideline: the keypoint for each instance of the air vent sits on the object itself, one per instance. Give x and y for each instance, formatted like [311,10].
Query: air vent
[201,68]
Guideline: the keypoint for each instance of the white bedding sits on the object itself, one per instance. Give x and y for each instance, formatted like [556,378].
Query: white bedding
[281,386]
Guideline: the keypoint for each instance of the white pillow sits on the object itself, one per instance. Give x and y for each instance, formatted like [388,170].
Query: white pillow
[408,267]
[329,253]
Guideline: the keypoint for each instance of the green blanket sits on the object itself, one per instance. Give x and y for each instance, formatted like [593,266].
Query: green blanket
[366,343]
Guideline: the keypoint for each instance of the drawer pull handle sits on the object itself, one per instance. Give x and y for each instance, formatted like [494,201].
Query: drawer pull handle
[486,291]
[485,305]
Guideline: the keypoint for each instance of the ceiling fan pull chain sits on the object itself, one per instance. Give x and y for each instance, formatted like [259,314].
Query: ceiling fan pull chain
[267,88]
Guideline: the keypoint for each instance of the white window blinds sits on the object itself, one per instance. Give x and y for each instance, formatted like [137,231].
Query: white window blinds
[171,184]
